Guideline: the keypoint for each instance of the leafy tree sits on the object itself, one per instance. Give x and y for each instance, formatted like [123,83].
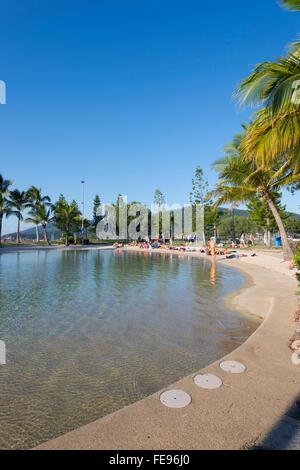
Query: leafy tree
[200,196]
[242,224]
[262,217]
[96,218]
[4,204]
[159,198]
[17,203]
[292,226]
[66,217]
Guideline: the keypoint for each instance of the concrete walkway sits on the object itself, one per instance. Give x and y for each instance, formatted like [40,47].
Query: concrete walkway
[247,410]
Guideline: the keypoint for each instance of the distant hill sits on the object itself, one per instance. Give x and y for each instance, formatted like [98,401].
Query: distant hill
[30,233]
[242,212]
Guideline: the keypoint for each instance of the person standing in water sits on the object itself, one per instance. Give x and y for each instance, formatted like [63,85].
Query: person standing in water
[212,246]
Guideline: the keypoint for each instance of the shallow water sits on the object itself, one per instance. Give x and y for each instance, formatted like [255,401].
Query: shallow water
[88,332]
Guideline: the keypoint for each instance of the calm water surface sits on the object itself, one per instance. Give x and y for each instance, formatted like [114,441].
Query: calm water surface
[88,332]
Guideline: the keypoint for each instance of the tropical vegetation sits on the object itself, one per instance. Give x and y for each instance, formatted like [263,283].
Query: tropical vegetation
[266,156]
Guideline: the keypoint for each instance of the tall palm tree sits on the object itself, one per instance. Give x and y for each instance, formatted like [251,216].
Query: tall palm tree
[4,208]
[275,85]
[241,179]
[17,203]
[35,199]
[41,215]
[274,134]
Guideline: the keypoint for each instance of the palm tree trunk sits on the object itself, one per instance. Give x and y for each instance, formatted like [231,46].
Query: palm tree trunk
[37,233]
[287,251]
[67,235]
[45,235]
[18,231]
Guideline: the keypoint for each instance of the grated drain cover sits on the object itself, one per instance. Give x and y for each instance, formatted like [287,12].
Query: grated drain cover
[208,381]
[233,366]
[296,358]
[175,398]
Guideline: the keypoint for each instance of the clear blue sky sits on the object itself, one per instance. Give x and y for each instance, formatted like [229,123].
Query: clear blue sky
[130,95]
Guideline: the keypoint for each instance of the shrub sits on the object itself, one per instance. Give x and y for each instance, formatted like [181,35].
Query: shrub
[79,241]
[294,245]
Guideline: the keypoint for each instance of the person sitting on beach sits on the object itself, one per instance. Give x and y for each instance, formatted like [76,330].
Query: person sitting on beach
[236,256]
[292,265]
[118,245]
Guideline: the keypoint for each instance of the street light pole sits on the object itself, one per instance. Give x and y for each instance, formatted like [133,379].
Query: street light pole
[82,223]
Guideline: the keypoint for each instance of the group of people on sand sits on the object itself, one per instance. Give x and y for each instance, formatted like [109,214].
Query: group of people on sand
[118,245]
[243,241]
[211,249]
[147,245]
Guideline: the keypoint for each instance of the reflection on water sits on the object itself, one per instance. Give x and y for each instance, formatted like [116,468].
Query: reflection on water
[88,332]
[213,270]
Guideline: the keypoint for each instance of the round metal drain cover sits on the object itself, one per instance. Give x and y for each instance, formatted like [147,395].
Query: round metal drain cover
[233,366]
[175,398]
[296,358]
[295,345]
[208,381]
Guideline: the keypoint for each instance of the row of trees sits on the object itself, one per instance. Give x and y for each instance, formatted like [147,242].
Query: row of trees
[15,202]
[66,217]
[265,156]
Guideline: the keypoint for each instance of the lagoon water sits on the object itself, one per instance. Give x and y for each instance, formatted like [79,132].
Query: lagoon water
[88,332]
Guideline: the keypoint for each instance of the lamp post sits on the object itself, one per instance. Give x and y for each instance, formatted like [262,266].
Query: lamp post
[82,223]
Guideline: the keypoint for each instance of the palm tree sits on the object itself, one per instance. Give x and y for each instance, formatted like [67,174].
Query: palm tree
[35,199]
[291,4]
[4,208]
[41,215]
[17,203]
[66,217]
[86,226]
[241,179]
[274,134]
